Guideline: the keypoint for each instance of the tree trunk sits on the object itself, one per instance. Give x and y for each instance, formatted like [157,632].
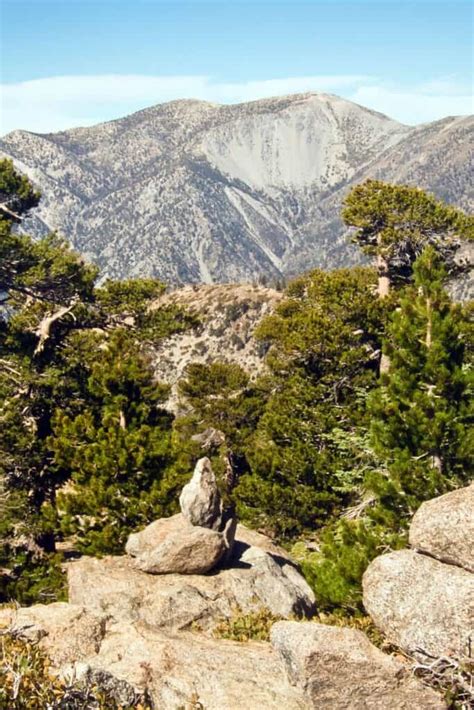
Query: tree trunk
[384,366]
[436,460]
[429,324]
[122,420]
[383,290]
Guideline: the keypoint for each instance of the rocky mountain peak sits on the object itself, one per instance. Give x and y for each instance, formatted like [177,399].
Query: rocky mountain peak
[191,191]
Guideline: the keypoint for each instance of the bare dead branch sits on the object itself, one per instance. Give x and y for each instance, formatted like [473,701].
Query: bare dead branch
[9,213]
[44,329]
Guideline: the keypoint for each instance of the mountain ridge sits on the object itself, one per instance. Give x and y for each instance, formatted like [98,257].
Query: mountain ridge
[190,191]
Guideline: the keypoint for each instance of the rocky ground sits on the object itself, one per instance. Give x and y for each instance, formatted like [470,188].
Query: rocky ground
[143,625]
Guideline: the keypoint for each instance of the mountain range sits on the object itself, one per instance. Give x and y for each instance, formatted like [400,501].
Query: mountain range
[190,191]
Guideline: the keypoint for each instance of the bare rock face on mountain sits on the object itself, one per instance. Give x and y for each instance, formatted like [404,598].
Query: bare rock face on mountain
[339,668]
[444,528]
[423,604]
[196,192]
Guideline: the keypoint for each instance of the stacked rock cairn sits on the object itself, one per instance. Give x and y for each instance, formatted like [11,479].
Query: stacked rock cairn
[194,541]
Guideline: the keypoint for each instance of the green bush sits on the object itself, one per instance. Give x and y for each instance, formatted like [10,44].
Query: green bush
[254,626]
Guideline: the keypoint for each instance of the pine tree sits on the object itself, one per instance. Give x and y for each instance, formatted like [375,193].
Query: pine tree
[421,411]
[45,290]
[221,395]
[421,434]
[324,339]
[115,449]
[55,327]
[394,223]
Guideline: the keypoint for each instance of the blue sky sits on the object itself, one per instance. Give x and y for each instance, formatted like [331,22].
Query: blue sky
[74,62]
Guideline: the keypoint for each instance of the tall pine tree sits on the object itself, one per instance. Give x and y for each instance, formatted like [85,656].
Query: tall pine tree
[324,339]
[421,412]
[115,450]
[394,223]
[420,433]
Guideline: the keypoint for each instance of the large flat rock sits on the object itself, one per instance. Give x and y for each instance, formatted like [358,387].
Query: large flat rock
[191,671]
[444,528]
[135,663]
[420,604]
[339,668]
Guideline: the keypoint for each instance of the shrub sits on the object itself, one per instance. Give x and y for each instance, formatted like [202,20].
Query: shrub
[27,683]
[254,626]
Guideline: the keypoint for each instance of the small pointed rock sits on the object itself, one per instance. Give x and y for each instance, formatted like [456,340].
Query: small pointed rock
[200,499]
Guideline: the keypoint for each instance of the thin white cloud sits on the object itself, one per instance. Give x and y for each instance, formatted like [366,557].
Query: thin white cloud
[253,90]
[57,103]
[415,106]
